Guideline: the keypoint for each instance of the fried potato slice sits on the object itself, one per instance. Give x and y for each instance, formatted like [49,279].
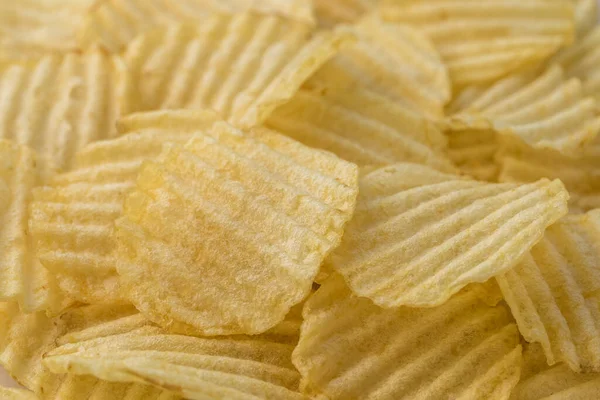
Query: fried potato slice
[113,24]
[486,40]
[392,60]
[418,236]
[544,111]
[242,66]
[332,12]
[251,216]
[72,219]
[16,394]
[61,103]
[365,128]
[351,349]
[542,382]
[22,277]
[553,292]
[474,152]
[586,16]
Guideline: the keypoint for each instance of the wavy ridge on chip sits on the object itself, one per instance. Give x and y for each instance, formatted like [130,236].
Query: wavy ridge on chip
[332,12]
[474,152]
[418,235]
[72,218]
[486,40]
[545,111]
[62,102]
[553,292]
[350,349]
[242,66]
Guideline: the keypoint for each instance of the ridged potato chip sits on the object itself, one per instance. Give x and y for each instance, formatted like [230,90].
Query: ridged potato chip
[332,12]
[242,66]
[267,210]
[418,236]
[474,152]
[545,111]
[351,349]
[16,394]
[72,219]
[586,16]
[22,277]
[115,23]
[553,292]
[392,60]
[63,102]
[486,40]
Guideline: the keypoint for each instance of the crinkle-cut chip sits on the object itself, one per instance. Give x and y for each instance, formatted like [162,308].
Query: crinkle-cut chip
[580,174]
[539,381]
[72,219]
[332,12]
[115,23]
[554,292]
[242,66]
[482,41]
[580,61]
[419,236]
[351,349]
[364,128]
[392,60]
[488,291]
[22,277]
[544,111]
[474,151]
[586,16]
[63,102]
[251,216]
[16,394]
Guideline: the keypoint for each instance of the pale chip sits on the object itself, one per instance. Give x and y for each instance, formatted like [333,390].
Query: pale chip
[351,349]
[418,236]
[586,16]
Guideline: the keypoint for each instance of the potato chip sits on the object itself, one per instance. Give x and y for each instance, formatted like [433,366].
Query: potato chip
[542,382]
[16,394]
[545,111]
[418,236]
[332,12]
[268,210]
[553,292]
[351,349]
[486,40]
[586,15]
[392,60]
[474,152]
[61,103]
[72,219]
[365,128]
[112,24]
[242,66]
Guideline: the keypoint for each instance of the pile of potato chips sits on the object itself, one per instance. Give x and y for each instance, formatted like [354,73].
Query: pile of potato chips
[296,199]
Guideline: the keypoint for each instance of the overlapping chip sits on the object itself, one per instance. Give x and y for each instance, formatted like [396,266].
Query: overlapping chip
[418,235]
[246,214]
[553,292]
[242,66]
[544,111]
[72,219]
[16,394]
[63,102]
[351,349]
[586,16]
[486,40]
[474,152]
[332,12]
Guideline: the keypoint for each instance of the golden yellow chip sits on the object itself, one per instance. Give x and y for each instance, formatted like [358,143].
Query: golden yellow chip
[418,236]
[332,12]
[542,382]
[488,39]
[251,216]
[114,23]
[474,152]
[553,292]
[72,219]
[351,349]
[586,16]
[16,394]
[392,60]
[242,66]
[61,103]
[544,111]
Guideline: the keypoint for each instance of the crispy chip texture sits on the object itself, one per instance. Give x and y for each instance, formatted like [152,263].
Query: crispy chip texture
[61,103]
[352,349]
[545,111]
[72,219]
[553,292]
[242,66]
[332,12]
[16,394]
[418,235]
[251,216]
[474,152]
[114,23]
[586,15]
[484,40]
[22,277]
